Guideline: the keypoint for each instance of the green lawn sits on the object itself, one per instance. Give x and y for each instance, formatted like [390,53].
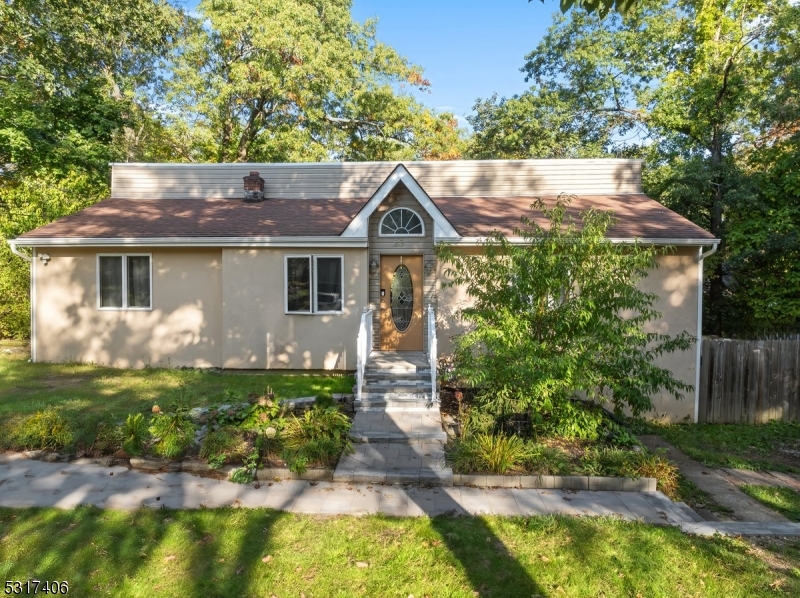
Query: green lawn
[739,446]
[232,552]
[78,388]
[784,500]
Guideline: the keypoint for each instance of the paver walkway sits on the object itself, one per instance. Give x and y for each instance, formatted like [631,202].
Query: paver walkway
[29,483]
[398,425]
[723,488]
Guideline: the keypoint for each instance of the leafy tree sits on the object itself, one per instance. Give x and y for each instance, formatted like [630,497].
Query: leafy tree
[298,80]
[697,89]
[560,316]
[601,7]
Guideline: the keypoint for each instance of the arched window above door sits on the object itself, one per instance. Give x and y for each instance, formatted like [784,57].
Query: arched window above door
[401,222]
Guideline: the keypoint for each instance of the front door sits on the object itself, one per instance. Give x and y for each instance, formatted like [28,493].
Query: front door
[401,303]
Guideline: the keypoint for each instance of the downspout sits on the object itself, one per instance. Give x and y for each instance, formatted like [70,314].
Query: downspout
[700,258]
[15,250]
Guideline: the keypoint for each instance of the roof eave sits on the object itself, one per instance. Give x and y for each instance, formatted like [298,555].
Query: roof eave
[619,240]
[306,241]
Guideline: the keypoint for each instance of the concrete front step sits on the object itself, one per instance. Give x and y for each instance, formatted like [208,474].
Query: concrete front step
[397,396]
[398,385]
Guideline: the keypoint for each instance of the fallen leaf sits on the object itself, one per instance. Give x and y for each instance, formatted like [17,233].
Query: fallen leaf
[267,559]
[544,558]
[362,565]
[169,558]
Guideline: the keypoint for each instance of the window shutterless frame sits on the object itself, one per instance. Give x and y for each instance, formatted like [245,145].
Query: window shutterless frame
[397,212]
[313,283]
[124,257]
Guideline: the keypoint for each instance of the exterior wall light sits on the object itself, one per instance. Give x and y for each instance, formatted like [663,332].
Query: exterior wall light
[429,267]
[373,266]
[44,257]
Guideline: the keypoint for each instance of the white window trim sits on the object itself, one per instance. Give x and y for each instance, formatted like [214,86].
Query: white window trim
[421,220]
[312,258]
[124,257]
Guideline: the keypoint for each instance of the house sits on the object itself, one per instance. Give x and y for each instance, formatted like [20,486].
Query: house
[272,266]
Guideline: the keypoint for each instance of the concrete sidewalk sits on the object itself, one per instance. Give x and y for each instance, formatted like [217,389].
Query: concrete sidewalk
[28,483]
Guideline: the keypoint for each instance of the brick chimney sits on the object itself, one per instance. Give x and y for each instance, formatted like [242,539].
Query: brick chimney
[253,187]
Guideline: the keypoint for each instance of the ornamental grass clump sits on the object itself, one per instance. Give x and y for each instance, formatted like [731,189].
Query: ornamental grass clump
[172,434]
[318,437]
[489,453]
[47,430]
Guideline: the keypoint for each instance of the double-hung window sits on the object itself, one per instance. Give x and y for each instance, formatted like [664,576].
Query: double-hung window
[314,284]
[124,281]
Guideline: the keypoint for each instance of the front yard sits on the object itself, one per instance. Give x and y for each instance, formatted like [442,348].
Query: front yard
[243,552]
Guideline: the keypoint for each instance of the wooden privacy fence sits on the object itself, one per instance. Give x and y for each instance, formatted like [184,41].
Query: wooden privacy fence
[749,381]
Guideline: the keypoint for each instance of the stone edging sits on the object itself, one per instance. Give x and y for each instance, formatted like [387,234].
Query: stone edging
[568,482]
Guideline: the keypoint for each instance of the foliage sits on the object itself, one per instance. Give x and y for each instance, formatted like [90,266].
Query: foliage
[546,460]
[313,86]
[319,436]
[324,400]
[784,500]
[96,434]
[172,434]
[247,472]
[134,434]
[560,315]
[226,445]
[707,94]
[48,430]
[494,453]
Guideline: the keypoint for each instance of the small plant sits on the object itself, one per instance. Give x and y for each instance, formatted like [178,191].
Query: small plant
[223,445]
[648,464]
[134,434]
[173,433]
[47,430]
[247,472]
[544,460]
[493,453]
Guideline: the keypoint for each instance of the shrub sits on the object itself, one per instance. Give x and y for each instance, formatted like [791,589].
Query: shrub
[225,445]
[47,430]
[173,433]
[648,464]
[95,434]
[11,432]
[134,434]
[570,420]
[560,315]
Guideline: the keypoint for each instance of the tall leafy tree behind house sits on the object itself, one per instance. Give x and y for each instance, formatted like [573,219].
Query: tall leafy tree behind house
[707,93]
[75,81]
[298,80]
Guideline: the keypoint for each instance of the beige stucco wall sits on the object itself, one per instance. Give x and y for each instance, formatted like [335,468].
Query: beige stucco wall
[258,334]
[184,328]
[674,281]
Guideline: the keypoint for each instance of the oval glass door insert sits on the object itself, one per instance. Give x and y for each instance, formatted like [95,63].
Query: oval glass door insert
[402,299]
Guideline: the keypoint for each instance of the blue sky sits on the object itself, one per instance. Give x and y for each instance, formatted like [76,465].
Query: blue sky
[469,49]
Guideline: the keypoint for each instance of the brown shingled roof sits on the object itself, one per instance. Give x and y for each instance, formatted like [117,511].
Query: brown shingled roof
[159,218]
[638,217]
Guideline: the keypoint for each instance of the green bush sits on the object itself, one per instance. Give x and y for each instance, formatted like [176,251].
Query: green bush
[544,460]
[134,434]
[316,438]
[47,430]
[95,434]
[226,445]
[173,433]
[11,432]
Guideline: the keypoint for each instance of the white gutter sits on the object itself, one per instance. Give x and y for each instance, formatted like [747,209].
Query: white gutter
[196,242]
[620,241]
[12,243]
[700,257]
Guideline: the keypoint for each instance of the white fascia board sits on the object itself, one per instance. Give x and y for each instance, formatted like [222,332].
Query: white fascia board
[338,242]
[358,227]
[522,241]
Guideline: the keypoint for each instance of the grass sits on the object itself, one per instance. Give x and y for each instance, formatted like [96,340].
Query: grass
[240,552]
[90,389]
[737,446]
[784,500]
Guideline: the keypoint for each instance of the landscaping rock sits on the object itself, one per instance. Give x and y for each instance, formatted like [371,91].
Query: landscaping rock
[199,415]
[51,457]
[196,467]
[33,454]
[200,434]
[150,464]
